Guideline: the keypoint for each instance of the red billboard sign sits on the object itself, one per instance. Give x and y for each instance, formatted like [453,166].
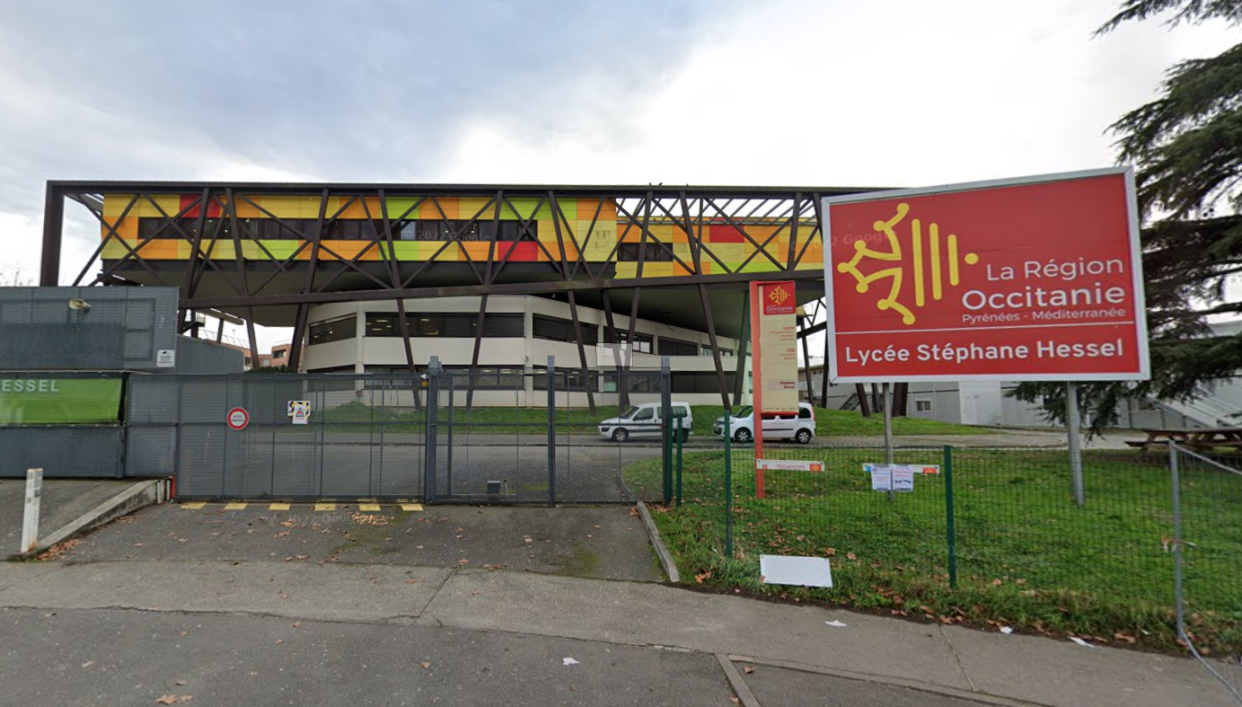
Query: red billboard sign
[1026,279]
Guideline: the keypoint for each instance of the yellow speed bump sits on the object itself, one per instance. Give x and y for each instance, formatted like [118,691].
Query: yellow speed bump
[279,507]
[325,506]
[235,506]
[411,506]
[195,506]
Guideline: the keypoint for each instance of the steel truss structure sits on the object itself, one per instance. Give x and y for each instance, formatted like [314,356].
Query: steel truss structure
[665,229]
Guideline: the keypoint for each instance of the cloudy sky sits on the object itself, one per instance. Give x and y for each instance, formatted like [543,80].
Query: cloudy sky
[808,92]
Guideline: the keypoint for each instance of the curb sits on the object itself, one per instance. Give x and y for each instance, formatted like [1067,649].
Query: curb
[666,558]
[138,495]
[908,683]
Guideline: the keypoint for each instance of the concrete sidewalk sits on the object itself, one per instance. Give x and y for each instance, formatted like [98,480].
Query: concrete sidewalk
[958,662]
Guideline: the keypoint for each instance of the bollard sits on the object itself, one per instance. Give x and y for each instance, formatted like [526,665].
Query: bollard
[30,520]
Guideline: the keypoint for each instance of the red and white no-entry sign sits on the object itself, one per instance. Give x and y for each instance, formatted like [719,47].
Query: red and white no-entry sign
[238,419]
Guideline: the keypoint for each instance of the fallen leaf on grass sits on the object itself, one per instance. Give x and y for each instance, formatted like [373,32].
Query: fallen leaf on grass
[851,556]
[167,700]
[185,698]
[426,665]
[463,562]
[528,539]
[137,544]
[288,524]
[281,534]
[183,634]
[700,577]
[279,641]
[1121,636]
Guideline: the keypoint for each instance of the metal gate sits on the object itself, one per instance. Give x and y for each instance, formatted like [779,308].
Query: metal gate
[363,437]
[537,437]
[507,436]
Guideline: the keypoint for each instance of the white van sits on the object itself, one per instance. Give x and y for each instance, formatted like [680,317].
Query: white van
[643,421]
[799,427]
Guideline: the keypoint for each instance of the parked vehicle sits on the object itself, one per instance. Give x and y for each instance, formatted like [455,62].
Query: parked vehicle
[644,421]
[799,427]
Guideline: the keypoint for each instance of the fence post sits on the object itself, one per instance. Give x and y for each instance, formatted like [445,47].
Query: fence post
[551,430]
[950,524]
[433,402]
[1179,607]
[448,451]
[728,437]
[666,411]
[679,434]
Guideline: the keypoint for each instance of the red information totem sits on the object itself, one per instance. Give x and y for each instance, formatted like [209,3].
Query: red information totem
[1027,279]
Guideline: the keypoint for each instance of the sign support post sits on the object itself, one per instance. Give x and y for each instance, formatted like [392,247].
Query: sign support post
[888,430]
[1075,443]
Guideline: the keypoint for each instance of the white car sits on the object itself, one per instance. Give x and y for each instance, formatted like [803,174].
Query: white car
[799,427]
[644,421]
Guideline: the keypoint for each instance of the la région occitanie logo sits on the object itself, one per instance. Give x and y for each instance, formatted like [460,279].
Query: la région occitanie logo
[926,266]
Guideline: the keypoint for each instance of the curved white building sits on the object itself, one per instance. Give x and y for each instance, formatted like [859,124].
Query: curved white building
[519,334]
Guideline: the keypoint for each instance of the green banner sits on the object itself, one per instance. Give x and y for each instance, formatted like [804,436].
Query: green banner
[59,401]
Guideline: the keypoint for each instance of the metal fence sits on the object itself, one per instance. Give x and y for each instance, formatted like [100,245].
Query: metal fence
[992,527]
[1205,541]
[515,437]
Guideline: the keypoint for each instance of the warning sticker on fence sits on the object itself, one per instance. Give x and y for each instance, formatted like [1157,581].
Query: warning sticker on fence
[300,410]
[881,477]
[787,465]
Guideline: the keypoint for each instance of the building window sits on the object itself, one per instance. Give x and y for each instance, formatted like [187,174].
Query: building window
[922,406]
[673,347]
[455,325]
[488,378]
[335,330]
[461,229]
[707,351]
[572,379]
[561,330]
[655,253]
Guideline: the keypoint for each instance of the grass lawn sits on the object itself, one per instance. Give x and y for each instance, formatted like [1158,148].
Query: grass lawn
[512,420]
[1027,557]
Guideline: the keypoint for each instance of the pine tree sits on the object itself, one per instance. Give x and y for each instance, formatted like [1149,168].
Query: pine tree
[1187,149]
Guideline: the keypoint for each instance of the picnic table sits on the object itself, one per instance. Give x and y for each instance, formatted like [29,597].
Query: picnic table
[1198,440]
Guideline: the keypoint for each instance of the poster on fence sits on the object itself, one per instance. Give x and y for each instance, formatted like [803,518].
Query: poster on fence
[924,469]
[903,478]
[892,477]
[881,477]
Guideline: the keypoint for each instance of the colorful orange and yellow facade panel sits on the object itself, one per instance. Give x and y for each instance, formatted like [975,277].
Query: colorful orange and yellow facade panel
[275,227]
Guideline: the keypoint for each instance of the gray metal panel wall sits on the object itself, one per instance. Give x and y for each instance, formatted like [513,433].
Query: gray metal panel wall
[62,452]
[201,356]
[122,330]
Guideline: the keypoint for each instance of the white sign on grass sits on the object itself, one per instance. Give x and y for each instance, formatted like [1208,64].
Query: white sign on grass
[796,571]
